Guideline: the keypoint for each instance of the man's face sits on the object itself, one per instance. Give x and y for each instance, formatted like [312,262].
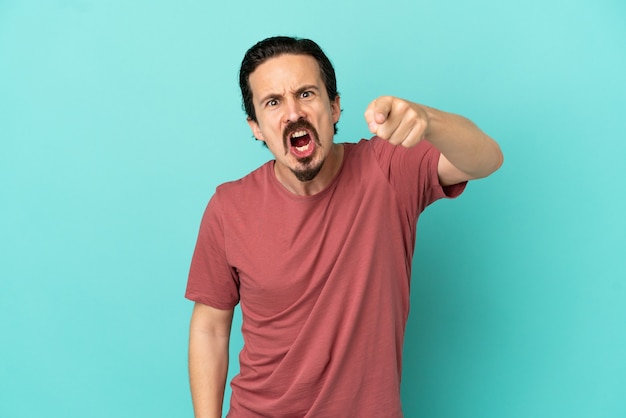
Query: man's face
[295,117]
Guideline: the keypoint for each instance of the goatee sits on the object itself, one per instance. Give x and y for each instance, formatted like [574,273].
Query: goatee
[309,173]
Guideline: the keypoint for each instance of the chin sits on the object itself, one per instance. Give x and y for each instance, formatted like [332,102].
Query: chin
[308,173]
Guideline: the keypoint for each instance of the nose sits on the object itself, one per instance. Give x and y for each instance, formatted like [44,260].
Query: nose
[293,110]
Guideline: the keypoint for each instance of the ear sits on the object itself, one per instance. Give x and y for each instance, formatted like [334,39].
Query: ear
[335,109]
[256,129]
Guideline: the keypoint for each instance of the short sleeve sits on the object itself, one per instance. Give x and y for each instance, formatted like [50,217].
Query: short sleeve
[212,281]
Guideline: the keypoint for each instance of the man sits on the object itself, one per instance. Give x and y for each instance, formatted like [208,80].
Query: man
[317,244]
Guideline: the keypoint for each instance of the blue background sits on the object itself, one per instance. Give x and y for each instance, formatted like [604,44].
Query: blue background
[119,118]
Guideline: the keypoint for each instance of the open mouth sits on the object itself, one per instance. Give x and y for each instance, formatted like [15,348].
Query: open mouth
[301,139]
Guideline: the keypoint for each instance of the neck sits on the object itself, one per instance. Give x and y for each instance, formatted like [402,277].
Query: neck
[329,170]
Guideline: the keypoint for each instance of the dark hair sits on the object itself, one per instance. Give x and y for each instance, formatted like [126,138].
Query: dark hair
[279,45]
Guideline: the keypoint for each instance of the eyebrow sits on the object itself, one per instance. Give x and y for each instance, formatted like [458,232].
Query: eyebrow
[299,91]
[307,87]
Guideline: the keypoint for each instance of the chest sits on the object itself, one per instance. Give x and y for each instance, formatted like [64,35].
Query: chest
[287,252]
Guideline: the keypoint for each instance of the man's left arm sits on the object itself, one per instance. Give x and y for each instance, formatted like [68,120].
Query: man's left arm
[466,152]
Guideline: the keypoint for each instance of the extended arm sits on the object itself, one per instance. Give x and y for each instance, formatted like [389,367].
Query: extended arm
[467,152]
[209,336]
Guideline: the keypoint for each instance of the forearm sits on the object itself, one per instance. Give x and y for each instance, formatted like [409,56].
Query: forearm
[208,367]
[466,147]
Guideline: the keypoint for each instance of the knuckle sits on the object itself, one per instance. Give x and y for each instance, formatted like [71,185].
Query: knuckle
[402,106]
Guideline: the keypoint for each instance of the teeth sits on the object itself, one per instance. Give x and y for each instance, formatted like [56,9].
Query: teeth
[298,134]
[304,148]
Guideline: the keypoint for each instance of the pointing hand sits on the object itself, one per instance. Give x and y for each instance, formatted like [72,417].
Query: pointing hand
[396,120]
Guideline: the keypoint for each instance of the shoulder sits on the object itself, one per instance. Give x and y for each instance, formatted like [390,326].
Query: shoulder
[386,153]
[363,148]
[254,181]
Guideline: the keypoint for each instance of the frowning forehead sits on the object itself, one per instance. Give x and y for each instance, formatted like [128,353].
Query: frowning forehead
[285,75]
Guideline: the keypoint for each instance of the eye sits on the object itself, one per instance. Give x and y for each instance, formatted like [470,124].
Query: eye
[307,94]
[272,103]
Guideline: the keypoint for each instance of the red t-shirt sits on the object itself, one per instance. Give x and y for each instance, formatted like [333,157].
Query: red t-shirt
[323,281]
